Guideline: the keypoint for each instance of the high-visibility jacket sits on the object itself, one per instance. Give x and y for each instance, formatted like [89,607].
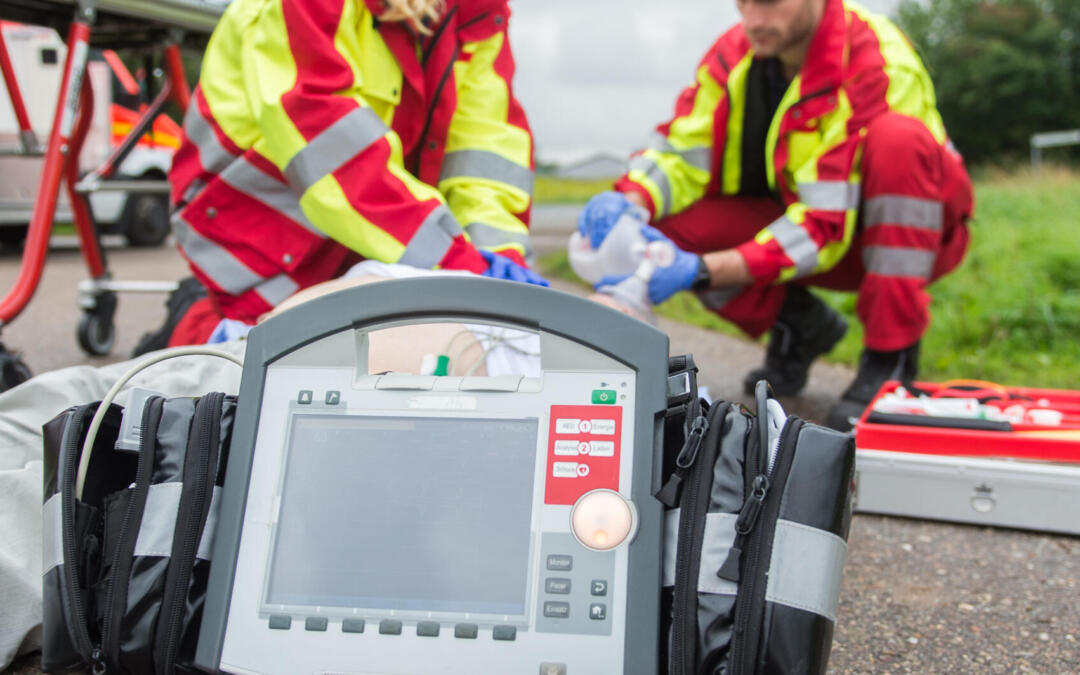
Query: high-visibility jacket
[319,135]
[858,67]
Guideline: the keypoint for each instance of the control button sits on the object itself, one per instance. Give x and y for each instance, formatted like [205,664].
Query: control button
[504,633]
[557,586]
[427,628]
[583,470]
[602,427]
[597,612]
[315,623]
[598,587]
[564,470]
[280,622]
[333,397]
[566,426]
[584,426]
[602,449]
[566,448]
[603,396]
[352,626]
[465,630]
[557,610]
[560,563]
[390,627]
[584,448]
[552,669]
[305,397]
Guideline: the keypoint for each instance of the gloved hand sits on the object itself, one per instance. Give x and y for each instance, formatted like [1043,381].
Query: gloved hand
[602,212]
[665,281]
[501,267]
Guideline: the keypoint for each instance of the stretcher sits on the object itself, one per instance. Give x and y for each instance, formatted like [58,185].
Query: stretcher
[165,26]
[972,468]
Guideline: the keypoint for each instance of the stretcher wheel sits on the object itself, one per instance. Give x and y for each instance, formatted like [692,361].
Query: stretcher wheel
[96,333]
[13,370]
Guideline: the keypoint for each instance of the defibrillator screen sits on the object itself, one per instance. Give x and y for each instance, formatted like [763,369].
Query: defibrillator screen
[405,513]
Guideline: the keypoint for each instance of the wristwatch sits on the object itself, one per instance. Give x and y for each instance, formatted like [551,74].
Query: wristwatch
[702,280]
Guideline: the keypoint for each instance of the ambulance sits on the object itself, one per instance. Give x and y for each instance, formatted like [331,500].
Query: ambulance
[37,56]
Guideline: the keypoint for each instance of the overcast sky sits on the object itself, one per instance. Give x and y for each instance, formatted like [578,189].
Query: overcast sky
[598,75]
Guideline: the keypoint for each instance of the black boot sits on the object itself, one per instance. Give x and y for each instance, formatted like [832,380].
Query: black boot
[875,369]
[180,301]
[805,329]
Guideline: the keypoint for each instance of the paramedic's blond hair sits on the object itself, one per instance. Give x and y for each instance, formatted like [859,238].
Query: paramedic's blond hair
[413,11]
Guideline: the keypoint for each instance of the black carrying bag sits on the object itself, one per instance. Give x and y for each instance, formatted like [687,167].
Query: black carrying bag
[755,538]
[126,565]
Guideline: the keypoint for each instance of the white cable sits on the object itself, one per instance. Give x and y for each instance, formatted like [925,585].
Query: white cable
[99,414]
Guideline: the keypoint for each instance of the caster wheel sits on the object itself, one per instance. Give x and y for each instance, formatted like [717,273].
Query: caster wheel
[12,370]
[96,333]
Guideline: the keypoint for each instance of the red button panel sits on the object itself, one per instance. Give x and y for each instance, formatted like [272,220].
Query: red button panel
[583,451]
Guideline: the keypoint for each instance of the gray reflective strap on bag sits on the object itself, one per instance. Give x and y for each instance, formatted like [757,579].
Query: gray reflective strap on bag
[125,588]
[755,550]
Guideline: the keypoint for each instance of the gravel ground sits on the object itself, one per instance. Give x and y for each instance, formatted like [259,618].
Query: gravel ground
[917,597]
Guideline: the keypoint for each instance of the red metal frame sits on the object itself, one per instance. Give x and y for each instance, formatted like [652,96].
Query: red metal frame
[71,122]
[13,87]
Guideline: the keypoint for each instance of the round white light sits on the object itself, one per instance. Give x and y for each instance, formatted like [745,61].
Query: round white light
[602,519]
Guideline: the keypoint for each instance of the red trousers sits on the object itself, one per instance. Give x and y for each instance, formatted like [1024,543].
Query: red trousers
[901,160]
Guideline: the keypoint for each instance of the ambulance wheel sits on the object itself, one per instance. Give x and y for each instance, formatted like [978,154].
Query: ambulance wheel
[13,370]
[96,333]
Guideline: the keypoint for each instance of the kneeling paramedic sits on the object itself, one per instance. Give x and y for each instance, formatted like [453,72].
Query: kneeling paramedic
[323,132]
[808,152]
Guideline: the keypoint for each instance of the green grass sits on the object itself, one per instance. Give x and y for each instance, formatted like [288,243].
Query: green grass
[552,190]
[1010,313]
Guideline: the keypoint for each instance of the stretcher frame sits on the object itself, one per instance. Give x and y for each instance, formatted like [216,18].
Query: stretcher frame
[114,23]
[990,478]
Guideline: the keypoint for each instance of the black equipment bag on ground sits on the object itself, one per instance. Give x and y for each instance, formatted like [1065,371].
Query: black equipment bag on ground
[125,566]
[756,537]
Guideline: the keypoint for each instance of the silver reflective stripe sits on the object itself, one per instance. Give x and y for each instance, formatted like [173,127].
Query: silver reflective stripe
[489,165]
[830,195]
[699,156]
[212,154]
[716,298]
[925,214]
[717,541]
[52,542]
[894,261]
[226,271]
[432,240]
[656,175]
[797,244]
[245,177]
[206,541]
[276,288]
[337,144]
[806,568]
[159,520]
[483,235]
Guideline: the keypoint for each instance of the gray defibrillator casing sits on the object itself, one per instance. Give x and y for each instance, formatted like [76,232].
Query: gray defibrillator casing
[398,523]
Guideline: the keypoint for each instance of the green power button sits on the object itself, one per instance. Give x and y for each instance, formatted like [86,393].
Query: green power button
[603,396]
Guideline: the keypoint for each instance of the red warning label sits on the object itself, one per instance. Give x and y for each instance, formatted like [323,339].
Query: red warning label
[583,451]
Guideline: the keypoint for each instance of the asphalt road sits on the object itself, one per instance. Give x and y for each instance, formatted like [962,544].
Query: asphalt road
[917,596]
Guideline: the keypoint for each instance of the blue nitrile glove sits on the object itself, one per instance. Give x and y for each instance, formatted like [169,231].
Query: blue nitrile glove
[602,212]
[665,281]
[501,267]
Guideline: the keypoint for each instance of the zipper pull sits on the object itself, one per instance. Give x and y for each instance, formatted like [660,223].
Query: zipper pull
[97,662]
[669,494]
[744,525]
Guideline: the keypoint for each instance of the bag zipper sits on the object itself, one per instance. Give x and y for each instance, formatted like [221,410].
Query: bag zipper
[669,494]
[699,466]
[752,591]
[208,415]
[109,647]
[72,440]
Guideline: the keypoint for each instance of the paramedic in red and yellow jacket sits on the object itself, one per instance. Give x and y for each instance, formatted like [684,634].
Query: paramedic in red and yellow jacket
[809,152]
[326,131]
